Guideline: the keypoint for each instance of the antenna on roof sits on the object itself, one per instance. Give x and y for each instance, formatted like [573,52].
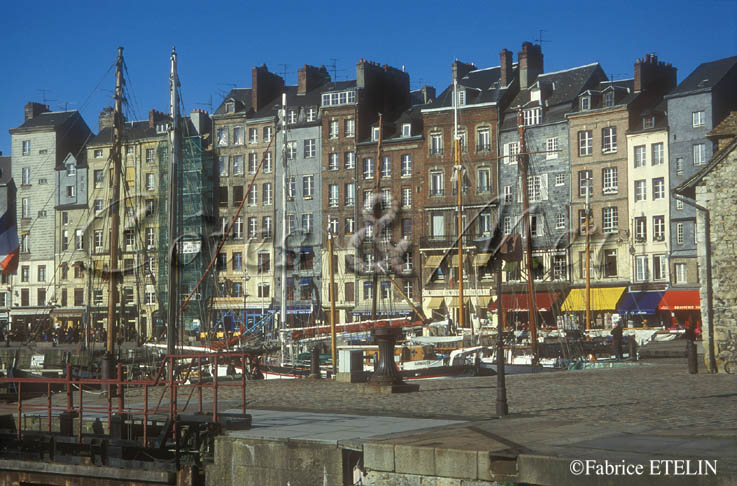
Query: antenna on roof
[540,39]
[284,72]
[333,66]
[43,92]
[208,104]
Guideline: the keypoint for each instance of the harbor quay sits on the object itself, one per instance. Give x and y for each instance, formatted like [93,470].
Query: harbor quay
[647,422]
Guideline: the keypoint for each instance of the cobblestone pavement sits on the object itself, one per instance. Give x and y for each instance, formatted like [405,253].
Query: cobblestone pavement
[660,394]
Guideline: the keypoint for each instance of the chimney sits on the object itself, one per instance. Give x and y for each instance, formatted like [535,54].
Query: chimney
[33,109]
[310,77]
[654,75]
[200,121]
[530,64]
[106,119]
[265,86]
[460,69]
[505,63]
[428,93]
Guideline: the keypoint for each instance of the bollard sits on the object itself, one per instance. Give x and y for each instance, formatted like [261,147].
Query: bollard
[315,362]
[633,348]
[693,366]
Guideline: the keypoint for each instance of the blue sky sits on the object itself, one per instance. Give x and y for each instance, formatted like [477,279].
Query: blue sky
[62,51]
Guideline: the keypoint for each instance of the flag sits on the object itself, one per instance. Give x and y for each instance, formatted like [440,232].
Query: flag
[8,242]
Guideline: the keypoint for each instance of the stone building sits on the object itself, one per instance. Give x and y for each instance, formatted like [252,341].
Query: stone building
[694,107]
[7,224]
[712,192]
[481,95]
[41,144]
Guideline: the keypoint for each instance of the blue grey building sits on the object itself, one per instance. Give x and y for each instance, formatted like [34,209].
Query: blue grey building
[695,107]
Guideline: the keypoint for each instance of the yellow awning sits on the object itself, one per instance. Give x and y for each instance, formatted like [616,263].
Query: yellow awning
[453,301]
[454,260]
[602,299]
[433,261]
[483,301]
[481,259]
[434,303]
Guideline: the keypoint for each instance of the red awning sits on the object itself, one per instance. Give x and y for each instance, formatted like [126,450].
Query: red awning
[544,302]
[680,300]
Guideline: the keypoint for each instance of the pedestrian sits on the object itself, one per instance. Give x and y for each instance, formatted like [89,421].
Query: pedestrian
[617,335]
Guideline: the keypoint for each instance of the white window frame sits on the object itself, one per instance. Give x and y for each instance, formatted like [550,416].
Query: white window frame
[640,156]
[508,197]
[406,165]
[658,188]
[560,222]
[349,160]
[610,182]
[699,154]
[698,118]
[483,139]
[349,127]
[658,228]
[659,267]
[333,163]
[641,190]
[252,135]
[238,165]
[483,174]
[610,220]
[641,268]
[238,135]
[680,273]
[223,163]
[679,233]
[532,116]
[406,130]
[437,183]
[436,144]
[368,168]
[406,197]
[657,153]
[609,140]
[291,150]
[333,195]
[308,186]
[310,148]
[551,148]
[585,143]
[268,194]
[334,129]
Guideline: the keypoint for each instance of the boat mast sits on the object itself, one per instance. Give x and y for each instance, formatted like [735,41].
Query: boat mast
[285,228]
[588,258]
[112,301]
[331,293]
[171,329]
[376,207]
[523,166]
[459,186]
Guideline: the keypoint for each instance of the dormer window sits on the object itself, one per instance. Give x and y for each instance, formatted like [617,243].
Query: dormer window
[71,169]
[230,107]
[374,134]
[461,97]
[406,130]
[292,117]
[162,128]
[311,114]
[648,122]
[533,116]
[609,98]
[585,103]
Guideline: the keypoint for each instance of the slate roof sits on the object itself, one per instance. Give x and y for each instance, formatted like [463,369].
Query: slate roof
[5,167]
[48,119]
[482,86]
[242,97]
[704,77]
[132,130]
[690,183]
[560,89]
[81,159]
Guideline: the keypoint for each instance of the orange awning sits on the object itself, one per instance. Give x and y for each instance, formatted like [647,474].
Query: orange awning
[680,300]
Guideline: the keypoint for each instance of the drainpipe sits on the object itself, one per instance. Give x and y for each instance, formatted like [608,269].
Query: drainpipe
[709,293]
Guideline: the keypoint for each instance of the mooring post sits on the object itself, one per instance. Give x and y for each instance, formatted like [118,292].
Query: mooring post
[199,384]
[48,396]
[80,413]
[70,398]
[145,415]
[20,409]
[243,383]
[121,398]
[215,390]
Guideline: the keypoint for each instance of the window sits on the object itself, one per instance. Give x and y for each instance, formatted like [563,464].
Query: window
[238,228]
[253,135]
[350,226]
[26,208]
[532,117]
[610,184]
[368,290]
[26,147]
[237,165]
[585,103]
[659,263]
[658,188]
[42,273]
[223,195]
[438,225]
[585,143]
[386,198]
[238,136]
[71,169]
[610,263]
[267,226]
[307,223]
[375,133]
[264,262]
[508,198]
[609,139]
[679,233]
[291,187]
[609,99]
[25,273]
[268,163]
[658,228]
[350,194]
[537,188]
[78,297]
[536,225]
[484,223]
[640,190]
[406,130]
[698,118]
[560,221]
[680,273]
[24,243]
[386,166]
[350,127]
[679,204]
[150,238]
[640,156]
[462,140]
[268,194]
[79,239]
[222,136]
[350,160]
[551,148]
[507,225]
[610,217]
[436,144]
[483,143]
[333,195]
[585,182]
[308,183]
[129,237]
[333,129]
[559,267]
[699,154]
[406,197]
[368,168]
[292,117]
[252,196]
[237,262]
[264,290]
[679,165]
[648,122]
[560,179]
[311,114]
[641,268]
[98,154]
[252,227]
[26,176]
[252,163]
[310,147]
[407,228]
[223,166]
[408,289]
[71,191]
[99,177]
[658,153]
[333,161]
[41,297]
[267,131]
[291,150]
[640,229]
[484,180]
[510,152]
[333,225]
[436,183]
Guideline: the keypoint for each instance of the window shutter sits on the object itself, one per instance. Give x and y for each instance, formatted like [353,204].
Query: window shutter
[506,153]
[544,187]
[519,189]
